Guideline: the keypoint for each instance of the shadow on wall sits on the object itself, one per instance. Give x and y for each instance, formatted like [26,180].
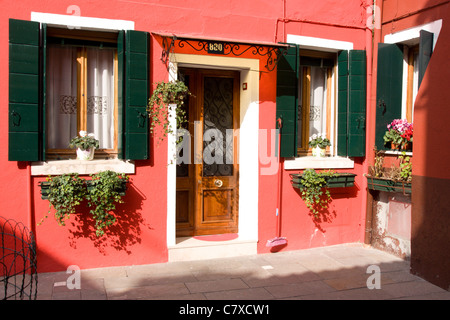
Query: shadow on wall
[125,232]
[430,219]
[326,215]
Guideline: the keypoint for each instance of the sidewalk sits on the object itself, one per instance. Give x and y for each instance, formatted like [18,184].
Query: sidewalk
[330,273]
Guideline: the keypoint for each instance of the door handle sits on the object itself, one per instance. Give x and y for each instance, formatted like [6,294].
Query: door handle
[218,183]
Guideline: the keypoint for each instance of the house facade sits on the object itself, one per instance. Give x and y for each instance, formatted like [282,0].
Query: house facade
[264,76]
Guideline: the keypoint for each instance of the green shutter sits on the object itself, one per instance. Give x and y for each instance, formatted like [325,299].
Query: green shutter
[351,126]
[425,51]
[287,100]
[24,93]
[342,137]
[43,90]
[135,96]
[357,104]
[389,89]
[121,91]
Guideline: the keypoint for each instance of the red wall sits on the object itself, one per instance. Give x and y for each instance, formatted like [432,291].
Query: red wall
[141,237]
[430,218]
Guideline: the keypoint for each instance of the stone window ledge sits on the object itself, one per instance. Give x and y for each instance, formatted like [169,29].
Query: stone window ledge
[319,163]
[81,167]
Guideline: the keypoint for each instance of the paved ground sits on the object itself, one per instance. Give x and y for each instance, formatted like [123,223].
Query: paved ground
[331,273]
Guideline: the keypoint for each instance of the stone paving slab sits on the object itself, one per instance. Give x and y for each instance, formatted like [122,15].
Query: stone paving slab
[330,273]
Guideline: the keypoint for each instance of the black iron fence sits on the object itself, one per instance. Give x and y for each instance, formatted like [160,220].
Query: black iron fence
[18,273]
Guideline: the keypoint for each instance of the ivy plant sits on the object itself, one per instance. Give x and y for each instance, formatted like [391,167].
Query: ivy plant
[405,167]
[167,98]
[103,192]
[314,190]
[66,192]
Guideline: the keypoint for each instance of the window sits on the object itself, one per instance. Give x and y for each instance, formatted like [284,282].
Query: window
[63,80]
[305,79]
[316,107]
[395,93]
[412,83]
[81,90]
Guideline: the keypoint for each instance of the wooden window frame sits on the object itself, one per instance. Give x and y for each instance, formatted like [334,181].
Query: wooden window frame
[305,75]
[412,52]
[82,89]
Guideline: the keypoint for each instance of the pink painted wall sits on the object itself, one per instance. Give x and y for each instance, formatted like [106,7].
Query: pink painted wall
[141,237]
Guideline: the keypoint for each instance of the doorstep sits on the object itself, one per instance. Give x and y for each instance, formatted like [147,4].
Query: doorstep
[189,249]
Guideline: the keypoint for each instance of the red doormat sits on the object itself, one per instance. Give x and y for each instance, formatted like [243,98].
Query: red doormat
[218,237]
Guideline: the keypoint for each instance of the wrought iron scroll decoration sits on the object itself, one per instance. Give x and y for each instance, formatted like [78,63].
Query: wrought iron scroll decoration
[273,54]
[167,47]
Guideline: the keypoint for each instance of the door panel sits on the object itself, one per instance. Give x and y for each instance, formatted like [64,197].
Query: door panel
[214,184]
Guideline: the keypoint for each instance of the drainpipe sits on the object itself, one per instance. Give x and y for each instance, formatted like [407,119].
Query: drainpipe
[375,38]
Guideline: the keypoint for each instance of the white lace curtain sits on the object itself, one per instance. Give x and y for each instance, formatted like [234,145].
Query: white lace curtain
[318,110]
[61,120]
[318,103]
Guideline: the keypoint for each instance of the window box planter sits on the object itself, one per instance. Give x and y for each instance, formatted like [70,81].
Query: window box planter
[45,188]
[343,180]
[388,185]
[121,188]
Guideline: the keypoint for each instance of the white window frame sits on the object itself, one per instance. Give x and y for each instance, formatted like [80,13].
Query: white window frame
[334,161]
[76,166]
[410,37]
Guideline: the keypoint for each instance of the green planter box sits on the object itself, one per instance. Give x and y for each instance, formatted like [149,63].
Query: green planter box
[121,189]
[45,188]
[343,180]
[388,185]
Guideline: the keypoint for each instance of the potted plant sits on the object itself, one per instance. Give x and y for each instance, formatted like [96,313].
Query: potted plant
[85,144]
[399,134]
[64,193]
[67,191]
[319,143]
[314,191]
[168,97]
[394,179]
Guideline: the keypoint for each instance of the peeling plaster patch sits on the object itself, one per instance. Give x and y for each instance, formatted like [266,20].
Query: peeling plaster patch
[391,224]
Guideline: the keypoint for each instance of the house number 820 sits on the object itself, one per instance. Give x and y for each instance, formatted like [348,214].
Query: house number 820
[215,47]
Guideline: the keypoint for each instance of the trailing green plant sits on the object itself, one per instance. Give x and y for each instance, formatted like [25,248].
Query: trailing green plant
[65,193]
[168,97]
[103,192]
[405,167]
[314,190]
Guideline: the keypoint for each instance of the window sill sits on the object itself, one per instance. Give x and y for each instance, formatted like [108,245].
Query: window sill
[81,167]
[319,163]
[397,152]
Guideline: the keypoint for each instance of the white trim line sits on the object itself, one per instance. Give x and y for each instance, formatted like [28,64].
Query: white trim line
[78,22]
[414,33]
[321,44]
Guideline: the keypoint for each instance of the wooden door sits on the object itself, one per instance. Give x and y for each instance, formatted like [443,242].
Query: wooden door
[207,188]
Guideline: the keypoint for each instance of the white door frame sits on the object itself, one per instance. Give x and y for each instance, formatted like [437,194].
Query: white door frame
[248,143]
